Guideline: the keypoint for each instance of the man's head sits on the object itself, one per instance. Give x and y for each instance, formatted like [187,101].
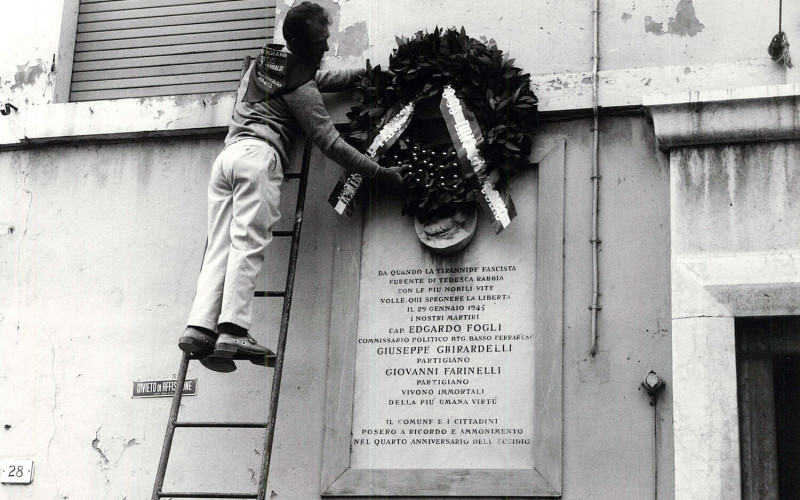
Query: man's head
[305,30]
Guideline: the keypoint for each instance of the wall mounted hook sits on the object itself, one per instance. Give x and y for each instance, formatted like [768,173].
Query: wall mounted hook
[6,110]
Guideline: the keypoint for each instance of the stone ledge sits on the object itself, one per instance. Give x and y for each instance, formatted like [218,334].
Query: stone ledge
[559,94]
[725,116]
[197,114]
[118,119]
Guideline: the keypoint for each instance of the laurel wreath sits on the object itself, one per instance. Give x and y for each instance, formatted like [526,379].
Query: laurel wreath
[488,82]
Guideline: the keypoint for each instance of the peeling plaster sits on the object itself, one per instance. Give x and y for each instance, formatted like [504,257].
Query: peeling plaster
[651,26]
[559,84]
[357,39]
[96,446]
[685,22]
[27,74]
[104,452]
[345,41]
[184,99]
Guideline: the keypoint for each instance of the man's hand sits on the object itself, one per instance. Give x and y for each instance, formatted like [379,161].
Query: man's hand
[392,176]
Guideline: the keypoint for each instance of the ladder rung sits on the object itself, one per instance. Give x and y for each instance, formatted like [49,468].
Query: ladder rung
[224,425]
[291,175]
[183,494]
[268,361]
[270,293]
[282,233]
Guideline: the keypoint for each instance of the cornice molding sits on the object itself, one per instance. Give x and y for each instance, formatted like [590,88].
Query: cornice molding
[750,114]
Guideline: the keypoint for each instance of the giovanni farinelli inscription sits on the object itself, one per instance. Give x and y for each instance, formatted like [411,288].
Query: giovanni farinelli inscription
[444,368]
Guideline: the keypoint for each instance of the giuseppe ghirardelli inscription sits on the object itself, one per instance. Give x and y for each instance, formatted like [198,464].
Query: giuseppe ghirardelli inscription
[444,363]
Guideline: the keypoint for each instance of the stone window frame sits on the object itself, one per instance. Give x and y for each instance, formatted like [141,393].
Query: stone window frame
[66,51]
[544,480]
[710,290]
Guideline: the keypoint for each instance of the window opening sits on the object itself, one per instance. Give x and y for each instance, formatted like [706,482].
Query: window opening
[141,48]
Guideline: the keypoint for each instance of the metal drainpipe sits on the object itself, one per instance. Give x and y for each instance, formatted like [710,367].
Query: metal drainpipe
[595,240]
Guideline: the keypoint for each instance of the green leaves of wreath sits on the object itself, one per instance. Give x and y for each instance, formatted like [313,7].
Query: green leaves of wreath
[491,86]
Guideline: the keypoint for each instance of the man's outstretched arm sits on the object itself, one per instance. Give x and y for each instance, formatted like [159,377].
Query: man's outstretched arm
[337,80]
[309,110]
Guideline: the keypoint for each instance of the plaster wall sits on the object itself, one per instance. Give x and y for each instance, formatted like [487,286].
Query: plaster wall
[29,45]
[98,274]
[646,46]
[609,425]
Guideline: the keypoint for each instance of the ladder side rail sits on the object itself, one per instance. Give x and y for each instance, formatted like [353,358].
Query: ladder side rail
[287,306]
[170,432]
[166,448]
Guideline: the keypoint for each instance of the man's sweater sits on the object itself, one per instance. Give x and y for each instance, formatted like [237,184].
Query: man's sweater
[278,120]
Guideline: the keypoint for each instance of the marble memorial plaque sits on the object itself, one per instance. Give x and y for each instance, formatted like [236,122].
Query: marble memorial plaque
[444,367]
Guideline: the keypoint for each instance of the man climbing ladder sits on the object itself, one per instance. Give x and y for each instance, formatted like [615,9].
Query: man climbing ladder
[278,99]
[268,425]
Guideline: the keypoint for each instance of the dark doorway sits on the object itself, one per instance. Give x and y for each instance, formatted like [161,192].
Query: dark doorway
[768,382]
[786,376]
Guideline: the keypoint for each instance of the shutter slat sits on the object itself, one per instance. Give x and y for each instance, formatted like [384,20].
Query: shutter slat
[186,29]
[201,88]
[157,81]
[172,40]
[209,17]
[164,60]
[142,48]
[170,50]
[173,69]
[164,13]
[87,7]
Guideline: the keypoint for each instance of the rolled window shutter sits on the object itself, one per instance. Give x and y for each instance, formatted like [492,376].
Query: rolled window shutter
[140,48]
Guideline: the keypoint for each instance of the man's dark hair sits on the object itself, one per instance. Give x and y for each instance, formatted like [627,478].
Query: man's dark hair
[301,17]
